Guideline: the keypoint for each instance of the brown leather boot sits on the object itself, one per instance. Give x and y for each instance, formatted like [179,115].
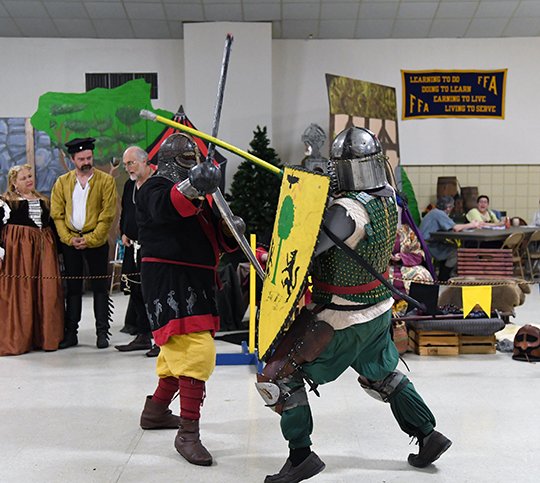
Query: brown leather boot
[158,416]
[188,443]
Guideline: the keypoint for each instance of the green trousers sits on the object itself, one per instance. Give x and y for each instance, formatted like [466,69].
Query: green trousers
[369,350]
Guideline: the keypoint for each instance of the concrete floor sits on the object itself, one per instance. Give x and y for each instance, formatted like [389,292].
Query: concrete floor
[73,415]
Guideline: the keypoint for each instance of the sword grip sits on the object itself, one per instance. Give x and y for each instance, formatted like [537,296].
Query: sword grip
[228,216]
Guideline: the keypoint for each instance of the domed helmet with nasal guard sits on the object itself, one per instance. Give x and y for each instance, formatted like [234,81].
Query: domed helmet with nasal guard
[176,156]
[356,161]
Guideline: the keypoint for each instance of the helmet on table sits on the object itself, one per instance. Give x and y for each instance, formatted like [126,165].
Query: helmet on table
[356,161]
[176,156]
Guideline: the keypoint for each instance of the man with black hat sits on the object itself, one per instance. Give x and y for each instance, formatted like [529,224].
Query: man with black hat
[83,206]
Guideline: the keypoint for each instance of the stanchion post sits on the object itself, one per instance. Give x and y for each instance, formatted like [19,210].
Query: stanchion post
[252,293]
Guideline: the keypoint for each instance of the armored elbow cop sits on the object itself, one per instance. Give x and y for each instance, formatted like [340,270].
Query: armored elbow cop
[385,389]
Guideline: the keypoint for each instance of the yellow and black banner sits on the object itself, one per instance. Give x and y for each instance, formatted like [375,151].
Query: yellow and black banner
[453,93]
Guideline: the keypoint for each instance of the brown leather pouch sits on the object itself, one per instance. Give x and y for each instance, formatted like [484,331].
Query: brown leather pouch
[305,340]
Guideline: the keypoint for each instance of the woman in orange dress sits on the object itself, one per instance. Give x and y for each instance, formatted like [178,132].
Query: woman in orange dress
[31,295]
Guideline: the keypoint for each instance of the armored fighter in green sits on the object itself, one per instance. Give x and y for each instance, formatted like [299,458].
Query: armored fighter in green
[348,324]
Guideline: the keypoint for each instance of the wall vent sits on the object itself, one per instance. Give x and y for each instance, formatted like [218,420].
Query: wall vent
[115,79]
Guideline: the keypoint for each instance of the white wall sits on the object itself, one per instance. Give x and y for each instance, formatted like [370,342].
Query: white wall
[297,89]
[300,94]
[247,99]
[32,67]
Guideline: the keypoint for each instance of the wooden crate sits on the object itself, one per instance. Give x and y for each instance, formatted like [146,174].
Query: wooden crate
[474,344]
[442,343]
[434,342]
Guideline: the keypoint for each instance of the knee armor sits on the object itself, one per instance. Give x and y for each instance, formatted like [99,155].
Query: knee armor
[279,396]
[305,340]
[385,389]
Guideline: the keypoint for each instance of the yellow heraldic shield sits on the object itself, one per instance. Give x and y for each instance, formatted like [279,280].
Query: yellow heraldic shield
[301,206]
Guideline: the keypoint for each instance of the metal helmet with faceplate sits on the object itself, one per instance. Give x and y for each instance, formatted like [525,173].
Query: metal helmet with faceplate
[356,161]
[176,156]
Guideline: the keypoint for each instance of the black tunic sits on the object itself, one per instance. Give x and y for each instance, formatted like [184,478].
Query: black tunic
[128,227]
[181,244]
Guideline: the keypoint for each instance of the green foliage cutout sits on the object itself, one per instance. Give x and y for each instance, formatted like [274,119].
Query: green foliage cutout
[109,115]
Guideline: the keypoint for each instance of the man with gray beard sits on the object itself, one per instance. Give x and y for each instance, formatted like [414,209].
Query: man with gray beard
[135,161]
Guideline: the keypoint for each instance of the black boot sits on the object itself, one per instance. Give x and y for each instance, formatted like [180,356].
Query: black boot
[72,318]
[103,310]
[431,447]
[70,338]
[311,466]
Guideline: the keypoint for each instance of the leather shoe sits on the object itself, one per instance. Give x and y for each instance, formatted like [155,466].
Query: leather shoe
[153,352]
[311,466]
[432,447]
[142,342]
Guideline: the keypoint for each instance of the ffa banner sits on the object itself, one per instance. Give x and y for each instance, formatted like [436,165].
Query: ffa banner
[453,93]
[302,201]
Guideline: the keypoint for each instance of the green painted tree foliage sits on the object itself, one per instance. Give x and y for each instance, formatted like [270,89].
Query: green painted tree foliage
[255,191]
[109,115]
[358,98]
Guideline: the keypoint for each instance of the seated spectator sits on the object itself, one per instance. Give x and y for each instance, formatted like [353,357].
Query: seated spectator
[438,220]
[409,261]
[406,263]
[483,213]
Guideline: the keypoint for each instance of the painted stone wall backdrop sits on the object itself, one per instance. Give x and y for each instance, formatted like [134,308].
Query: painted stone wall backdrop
[12,146]
[48,164]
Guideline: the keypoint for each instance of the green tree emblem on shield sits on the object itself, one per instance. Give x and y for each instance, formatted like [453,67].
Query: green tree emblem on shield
[285,224]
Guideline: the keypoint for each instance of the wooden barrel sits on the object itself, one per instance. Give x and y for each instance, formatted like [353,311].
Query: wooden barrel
[469,195]
[447,186]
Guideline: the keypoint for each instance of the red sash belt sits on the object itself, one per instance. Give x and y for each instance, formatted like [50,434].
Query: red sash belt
[186,264]
[349,290]
[175,262]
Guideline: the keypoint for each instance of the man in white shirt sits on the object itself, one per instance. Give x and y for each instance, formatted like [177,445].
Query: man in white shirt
[83,206]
